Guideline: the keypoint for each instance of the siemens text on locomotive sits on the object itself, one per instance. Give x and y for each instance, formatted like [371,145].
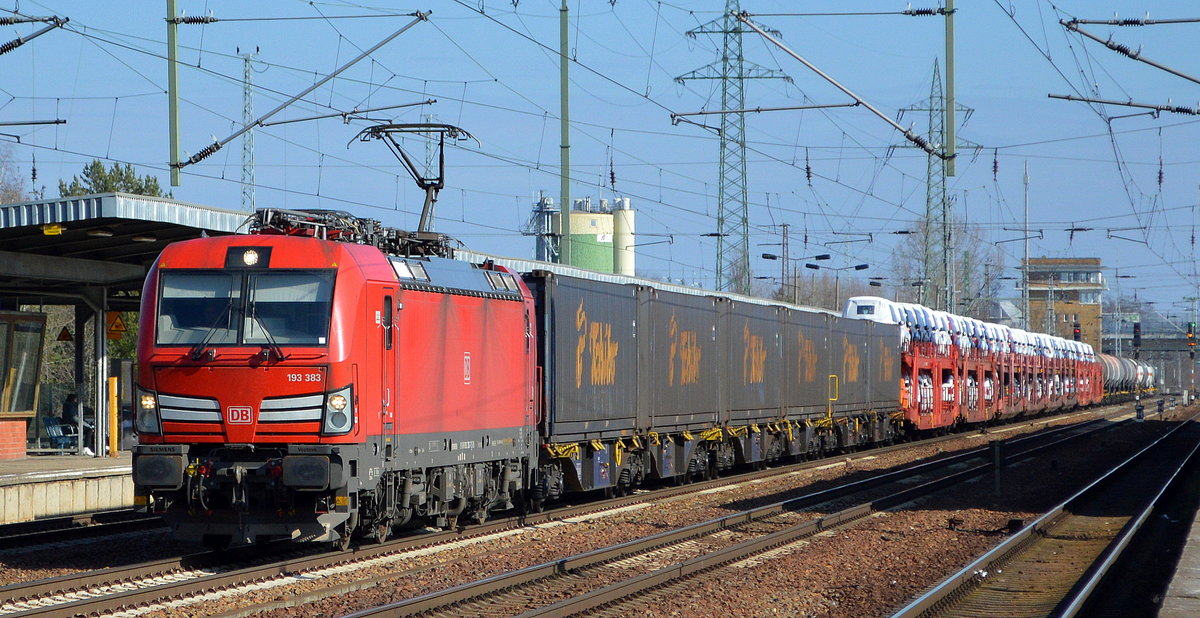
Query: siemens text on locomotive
[324,378]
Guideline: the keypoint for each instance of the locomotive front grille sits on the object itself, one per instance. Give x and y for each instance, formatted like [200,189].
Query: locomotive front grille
[298,409]
[174,408]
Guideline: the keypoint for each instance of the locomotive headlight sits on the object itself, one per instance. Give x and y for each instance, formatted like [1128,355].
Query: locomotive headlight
[250,257]
[146,417]
[339,412]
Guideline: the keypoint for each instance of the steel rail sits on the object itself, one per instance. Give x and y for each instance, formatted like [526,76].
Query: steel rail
[89,525]
[441,600]
[1081,593]
[208,560]
[953,587]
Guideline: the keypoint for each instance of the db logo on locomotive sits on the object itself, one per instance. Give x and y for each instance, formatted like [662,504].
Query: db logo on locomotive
[238,415]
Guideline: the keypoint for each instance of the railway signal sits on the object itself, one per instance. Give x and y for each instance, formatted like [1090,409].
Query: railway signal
[1137,334]
[1076,332]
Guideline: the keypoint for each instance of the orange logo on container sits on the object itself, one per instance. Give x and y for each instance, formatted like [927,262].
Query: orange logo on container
[887,362]
[685,346]
[851,361]
[806,371]
[596,342]
[754,357]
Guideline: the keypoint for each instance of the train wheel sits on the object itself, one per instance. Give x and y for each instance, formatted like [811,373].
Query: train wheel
[382,530]
[346,532]
[343,542]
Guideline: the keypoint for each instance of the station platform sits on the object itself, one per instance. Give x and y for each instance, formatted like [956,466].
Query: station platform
[1183,595]
[38,487]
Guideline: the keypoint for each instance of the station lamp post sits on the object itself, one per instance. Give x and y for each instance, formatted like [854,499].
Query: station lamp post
[788,279]
[837,278]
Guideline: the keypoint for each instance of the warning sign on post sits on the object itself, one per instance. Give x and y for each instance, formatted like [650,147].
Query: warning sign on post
[116,326]
[64,335]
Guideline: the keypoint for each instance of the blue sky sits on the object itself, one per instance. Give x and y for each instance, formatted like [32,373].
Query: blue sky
[492,66]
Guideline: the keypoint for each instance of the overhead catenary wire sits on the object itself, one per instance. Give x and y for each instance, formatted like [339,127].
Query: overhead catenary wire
[933,149]
[345,116]
[1174,109]
[211,19]
[55,22]
[1125,50]
[202,107]
[1144,21]
[215,146]
[830,201]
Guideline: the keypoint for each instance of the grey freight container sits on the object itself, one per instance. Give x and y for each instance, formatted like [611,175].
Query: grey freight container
[588,349]
[884,376]
[682,360]
[754,361]
[806,378]
[847,355]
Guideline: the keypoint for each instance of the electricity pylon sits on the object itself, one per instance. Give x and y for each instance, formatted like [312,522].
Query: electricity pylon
[936,225]
[733,241]
[248,136]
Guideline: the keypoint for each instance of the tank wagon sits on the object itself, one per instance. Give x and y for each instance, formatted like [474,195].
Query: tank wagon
[1123,375]
[324,378]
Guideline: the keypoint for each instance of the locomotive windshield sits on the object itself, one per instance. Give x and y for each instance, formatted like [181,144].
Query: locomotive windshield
[277,307]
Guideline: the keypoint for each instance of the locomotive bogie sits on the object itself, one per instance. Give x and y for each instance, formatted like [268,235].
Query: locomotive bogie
[240,495]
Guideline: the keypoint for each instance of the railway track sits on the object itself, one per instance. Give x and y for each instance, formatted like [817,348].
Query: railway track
[26,535]
[601,581]
[113,589]
[1053,566]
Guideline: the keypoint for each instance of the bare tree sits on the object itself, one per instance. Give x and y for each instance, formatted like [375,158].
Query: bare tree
[12,186]
[975,269]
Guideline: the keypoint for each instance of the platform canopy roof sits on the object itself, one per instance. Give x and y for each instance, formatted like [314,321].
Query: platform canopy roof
[62,247]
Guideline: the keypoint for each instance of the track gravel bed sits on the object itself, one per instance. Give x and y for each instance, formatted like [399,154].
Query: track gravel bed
[428,571]
[349,588]
[875,568]
[75,555]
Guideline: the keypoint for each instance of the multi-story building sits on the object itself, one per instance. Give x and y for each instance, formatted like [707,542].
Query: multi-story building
[1064,292]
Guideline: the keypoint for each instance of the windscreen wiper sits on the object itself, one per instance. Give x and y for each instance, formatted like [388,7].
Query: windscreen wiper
[199,349]
[271,347]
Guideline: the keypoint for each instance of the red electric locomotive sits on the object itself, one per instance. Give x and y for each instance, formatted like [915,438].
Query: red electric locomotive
[292,386]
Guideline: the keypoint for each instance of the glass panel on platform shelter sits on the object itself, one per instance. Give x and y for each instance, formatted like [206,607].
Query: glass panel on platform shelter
[20,361]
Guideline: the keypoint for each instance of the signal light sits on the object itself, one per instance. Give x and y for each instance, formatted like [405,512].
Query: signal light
[1137,334]
[1078,335]
[1191,334]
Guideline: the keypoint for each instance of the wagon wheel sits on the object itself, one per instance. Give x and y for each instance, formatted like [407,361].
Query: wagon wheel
[710,470]
[343,542]
[382,530]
